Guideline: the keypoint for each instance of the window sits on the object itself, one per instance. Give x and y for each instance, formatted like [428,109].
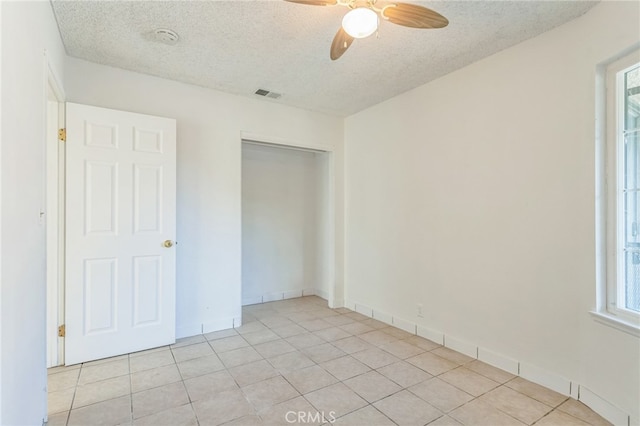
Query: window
[621,298]
[627,291]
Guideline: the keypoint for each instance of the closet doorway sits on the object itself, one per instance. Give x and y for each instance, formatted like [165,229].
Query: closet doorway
[286,225]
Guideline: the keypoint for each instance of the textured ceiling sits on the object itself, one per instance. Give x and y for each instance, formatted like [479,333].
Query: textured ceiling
[242,45]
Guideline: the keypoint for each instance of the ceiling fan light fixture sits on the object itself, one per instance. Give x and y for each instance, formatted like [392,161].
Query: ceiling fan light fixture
[166,36]
[360,22]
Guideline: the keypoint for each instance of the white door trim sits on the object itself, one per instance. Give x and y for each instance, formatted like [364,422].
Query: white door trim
[273,140]
[54,213]
[334,299]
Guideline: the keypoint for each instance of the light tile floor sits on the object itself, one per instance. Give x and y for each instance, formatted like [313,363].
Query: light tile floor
[293,361]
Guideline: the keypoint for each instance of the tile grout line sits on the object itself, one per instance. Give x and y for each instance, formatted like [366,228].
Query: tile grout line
[130,389]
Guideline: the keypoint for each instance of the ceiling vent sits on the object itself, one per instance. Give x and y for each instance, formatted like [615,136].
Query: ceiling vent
[268,94]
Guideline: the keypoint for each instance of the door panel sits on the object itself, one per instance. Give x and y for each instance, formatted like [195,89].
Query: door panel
[101,198]
[120,286]
[147,198]
[147,285]
[100,295]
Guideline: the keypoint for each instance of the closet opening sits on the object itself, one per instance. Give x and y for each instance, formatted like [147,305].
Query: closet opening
[286,223]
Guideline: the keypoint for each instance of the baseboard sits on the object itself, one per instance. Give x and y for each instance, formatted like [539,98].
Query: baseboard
[525,370]
[337,303]
[309,292]
[217,325]
[282,295]
[188,331]
[254,300]
[602,407]
[545,378]
[461,346]
[349,304]
[237,322]
[292,294]
[575,390]
[433,335]
[404,325]
[272,297]
[364,310]
[382,317]
[499,361]
[207,327]
[321,294]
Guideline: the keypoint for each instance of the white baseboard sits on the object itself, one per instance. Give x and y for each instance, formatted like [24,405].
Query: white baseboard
[604,408]
[282,295]
[292,294]
[217,325]
[461,346]
[321,294]
[499,361]
[188,331]
[405,325]
[433,335]
[254,300]
[349,304]
[545,378]
[337,303]
[575,390]
[364,310]
[382,317]
[272,297]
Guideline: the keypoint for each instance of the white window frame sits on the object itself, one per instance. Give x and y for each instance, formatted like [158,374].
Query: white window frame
[609,154]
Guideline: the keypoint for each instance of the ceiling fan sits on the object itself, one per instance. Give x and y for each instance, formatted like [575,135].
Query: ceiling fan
[362,20]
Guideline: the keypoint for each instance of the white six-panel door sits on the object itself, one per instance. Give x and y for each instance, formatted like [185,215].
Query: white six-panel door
[120,215]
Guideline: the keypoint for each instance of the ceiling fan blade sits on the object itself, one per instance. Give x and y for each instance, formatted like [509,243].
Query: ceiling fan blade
[414,16]
[341,43]
[315,2]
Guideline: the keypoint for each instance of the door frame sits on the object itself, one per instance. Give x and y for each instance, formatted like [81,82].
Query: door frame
[329,237]
[54,212]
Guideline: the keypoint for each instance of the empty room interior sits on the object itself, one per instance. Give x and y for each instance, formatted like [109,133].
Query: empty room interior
[226,213]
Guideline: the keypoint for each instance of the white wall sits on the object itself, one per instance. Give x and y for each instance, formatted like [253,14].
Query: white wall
[475,196]
[281,222]
[210,128]
[27,28]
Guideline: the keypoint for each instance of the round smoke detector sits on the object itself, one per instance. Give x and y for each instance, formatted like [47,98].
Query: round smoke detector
[166,36]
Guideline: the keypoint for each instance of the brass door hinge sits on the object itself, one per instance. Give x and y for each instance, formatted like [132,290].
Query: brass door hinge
[62,135]
[62,331]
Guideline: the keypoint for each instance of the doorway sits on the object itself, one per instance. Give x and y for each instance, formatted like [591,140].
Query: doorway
[286,227]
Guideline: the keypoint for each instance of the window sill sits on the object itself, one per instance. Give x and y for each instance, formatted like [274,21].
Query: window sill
[615,322]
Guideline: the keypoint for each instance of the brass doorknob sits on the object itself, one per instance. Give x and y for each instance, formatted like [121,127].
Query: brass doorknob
[168,243]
